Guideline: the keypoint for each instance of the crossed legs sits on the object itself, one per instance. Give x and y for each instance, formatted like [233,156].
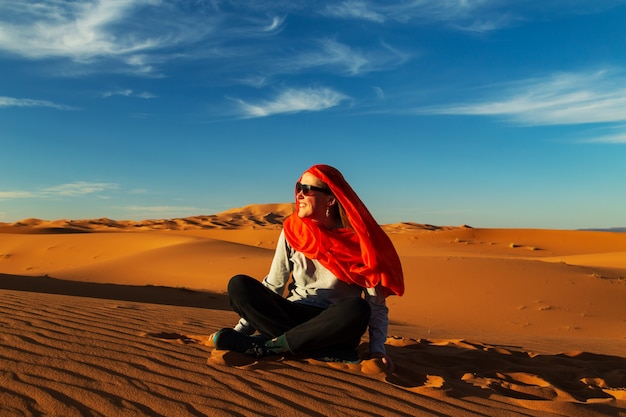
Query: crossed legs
[306,328]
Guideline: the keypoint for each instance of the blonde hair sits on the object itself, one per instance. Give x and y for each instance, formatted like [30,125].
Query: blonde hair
[345,222]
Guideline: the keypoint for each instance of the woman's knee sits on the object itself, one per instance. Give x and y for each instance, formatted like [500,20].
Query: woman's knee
[240,283]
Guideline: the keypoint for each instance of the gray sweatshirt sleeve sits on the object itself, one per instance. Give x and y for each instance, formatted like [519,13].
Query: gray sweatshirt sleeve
[280,270]
[379,319]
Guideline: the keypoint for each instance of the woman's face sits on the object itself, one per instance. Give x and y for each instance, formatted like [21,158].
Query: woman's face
[314,205]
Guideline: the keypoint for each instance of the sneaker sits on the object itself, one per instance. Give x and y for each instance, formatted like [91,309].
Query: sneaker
[230,339]
[258,350]
[261,349]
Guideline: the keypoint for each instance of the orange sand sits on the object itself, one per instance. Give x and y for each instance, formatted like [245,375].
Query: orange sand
[108,318]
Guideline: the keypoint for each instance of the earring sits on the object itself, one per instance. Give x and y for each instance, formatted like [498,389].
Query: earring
[328,211]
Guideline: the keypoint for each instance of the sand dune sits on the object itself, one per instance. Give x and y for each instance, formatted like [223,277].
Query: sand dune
[253,216]
[104,317]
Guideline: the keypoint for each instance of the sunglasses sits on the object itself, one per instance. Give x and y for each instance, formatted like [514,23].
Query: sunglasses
[307,189]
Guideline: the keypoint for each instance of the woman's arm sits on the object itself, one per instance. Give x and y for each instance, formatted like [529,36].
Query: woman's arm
[379,320]
[378,325]
[280,270]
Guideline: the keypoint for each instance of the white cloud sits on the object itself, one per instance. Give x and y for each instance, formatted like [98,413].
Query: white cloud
[79,188]
[76,29]
[140,36]
[128,93]
[466,15]
[86,31]
[343,59]
[294,101]
[483,25]
[256,81]
[354,9]
[145,95]
[617,138]
[476,15]
[64,190]
[562,99]
[277,23]
[12,195]
[124,93]
[337,54]
[327,53]
[379,92]
[27,102]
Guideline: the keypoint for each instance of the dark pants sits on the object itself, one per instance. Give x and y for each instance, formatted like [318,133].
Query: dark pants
[306,328]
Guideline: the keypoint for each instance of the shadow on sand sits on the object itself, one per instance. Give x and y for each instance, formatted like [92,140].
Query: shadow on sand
[181,297]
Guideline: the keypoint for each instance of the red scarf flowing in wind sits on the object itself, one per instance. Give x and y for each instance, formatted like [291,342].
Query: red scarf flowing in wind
[363,256]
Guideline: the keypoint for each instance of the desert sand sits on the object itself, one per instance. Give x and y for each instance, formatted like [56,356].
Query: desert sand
[110,318]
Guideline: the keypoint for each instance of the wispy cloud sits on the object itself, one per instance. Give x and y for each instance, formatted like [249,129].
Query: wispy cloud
[487,24]
[355,9]
[128,93]
[293,101]
[617,137]
[140,36]
[466,15]
[331,54]
[73,189]
[14,195]
[562,99]
[256,81]
[124,93]
[27,102]
[89,30]
[338,57]
[478,15]
[379,92]
[76,29]
[275,25]
[79,188]
[143,35]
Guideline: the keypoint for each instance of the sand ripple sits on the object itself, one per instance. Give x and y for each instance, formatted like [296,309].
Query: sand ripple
[77,356]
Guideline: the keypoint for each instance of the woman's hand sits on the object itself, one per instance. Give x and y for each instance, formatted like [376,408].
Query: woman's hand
[386,360]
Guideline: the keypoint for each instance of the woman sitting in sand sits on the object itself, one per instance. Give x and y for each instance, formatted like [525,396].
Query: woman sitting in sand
[342,266]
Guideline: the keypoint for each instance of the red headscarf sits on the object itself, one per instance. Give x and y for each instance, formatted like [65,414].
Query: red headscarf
[363,256]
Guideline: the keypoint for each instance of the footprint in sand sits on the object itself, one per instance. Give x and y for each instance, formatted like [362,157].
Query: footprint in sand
[239,360]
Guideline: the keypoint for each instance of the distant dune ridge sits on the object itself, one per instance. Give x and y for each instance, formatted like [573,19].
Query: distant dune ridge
[259,215]
[610,229]
[108,317]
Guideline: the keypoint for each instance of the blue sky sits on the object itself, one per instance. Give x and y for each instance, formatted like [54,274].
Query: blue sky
[488,112]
